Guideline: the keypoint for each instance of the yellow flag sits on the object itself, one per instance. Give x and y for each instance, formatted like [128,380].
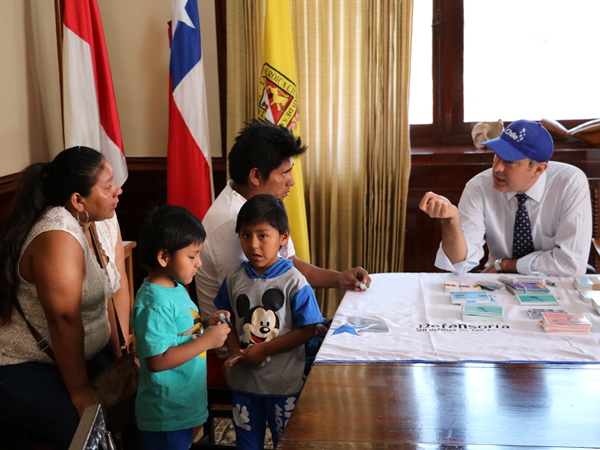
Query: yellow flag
[278,103]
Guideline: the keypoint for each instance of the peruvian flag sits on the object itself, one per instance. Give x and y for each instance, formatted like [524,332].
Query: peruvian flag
[189,171]
[90,111]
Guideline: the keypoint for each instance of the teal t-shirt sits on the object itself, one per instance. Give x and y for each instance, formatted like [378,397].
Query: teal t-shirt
[174,399]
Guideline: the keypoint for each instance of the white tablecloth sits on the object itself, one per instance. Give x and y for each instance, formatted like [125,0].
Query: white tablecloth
[409,317]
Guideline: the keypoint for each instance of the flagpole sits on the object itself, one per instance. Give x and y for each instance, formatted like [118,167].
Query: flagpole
[59,6]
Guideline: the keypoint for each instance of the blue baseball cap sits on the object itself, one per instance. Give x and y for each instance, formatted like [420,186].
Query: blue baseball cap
[523,139]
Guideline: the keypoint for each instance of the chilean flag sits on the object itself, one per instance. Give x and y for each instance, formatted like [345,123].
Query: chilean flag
[189,171]
[90,111]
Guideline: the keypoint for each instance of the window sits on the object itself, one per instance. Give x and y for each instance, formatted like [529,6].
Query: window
[503,60]
[421,82]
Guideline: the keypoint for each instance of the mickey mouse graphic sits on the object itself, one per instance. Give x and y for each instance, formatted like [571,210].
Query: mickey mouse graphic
[260,323]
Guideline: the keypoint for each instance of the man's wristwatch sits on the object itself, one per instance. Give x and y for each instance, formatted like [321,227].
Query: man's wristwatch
[498,265]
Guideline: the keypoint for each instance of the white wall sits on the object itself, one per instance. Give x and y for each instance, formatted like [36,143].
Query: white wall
[137,42]
[29,118]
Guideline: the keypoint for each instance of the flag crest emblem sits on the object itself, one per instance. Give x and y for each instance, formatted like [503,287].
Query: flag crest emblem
[278,101]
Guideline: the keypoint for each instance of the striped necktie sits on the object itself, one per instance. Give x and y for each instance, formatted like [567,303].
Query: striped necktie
[522,240]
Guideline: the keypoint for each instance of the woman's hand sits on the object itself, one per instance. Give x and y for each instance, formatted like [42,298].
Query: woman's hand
[85,397]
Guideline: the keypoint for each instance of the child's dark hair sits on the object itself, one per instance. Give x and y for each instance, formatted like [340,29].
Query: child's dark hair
[168,228]
[263,209]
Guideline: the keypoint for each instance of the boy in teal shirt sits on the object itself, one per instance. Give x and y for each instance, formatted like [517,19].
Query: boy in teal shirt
[171,338]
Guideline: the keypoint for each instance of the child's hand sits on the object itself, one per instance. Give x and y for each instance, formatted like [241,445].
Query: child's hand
[253,355]
[215,318]
[216,335]
[230,362]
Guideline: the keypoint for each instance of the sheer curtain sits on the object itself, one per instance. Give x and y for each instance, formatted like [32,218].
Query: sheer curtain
[353,61]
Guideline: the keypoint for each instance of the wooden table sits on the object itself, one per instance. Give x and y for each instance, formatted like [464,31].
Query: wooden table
[447,405]
[379,382]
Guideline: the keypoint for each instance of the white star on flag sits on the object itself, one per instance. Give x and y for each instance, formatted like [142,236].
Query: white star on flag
[179,14]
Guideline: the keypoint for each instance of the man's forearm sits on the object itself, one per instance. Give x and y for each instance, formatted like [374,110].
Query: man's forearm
[316,276]
[453,240]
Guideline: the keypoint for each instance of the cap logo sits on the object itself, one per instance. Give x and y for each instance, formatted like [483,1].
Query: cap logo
[517,137]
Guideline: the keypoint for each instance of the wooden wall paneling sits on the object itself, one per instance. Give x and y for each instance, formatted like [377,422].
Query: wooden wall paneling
[8,186]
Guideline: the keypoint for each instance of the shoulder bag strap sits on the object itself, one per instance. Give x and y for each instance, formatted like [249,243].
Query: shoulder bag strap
[42,343]
[94,235]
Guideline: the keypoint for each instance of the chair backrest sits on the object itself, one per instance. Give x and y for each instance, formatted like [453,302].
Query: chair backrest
[91,433]
[594,260]
[595,197]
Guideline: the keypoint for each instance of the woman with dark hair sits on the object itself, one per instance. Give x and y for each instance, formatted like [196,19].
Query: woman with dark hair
[51,276]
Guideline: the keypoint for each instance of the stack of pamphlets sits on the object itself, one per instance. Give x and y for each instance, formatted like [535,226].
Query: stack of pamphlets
[490,286]
[525,288]
[588,296]
[596,305]
[565,323]
[460,286]
[460,298]
[536,299]
[536,313]
[587,283]
[482,313]
[520,279]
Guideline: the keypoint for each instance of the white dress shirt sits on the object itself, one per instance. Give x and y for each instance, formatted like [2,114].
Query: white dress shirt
[561,223]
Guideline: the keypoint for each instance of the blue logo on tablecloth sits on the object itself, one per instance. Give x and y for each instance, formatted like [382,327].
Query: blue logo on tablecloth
[354,324]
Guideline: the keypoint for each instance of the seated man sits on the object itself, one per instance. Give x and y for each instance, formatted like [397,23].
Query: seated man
[553,236]
[260,162]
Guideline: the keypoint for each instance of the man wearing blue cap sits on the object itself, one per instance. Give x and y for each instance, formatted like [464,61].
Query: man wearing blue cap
[546,231]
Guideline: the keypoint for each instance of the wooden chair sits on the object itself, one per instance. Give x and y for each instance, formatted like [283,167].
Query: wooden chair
[594,260]
[128,247]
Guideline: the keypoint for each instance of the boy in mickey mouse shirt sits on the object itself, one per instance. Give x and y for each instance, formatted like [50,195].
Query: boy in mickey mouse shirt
[274,313]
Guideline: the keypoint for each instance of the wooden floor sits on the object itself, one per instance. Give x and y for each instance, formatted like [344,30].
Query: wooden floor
[447,405]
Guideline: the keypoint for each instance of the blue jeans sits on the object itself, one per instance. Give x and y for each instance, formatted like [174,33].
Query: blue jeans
[171,440]
[33,396]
